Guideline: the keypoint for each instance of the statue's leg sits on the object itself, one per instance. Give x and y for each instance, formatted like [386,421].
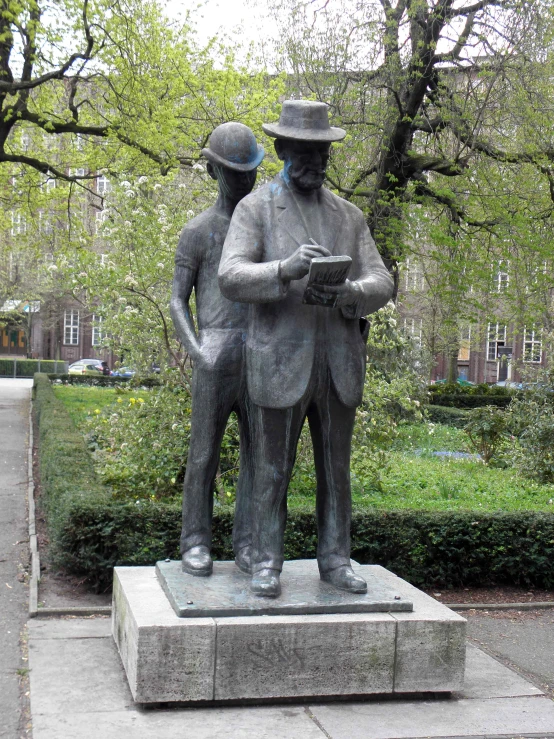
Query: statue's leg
[213,395]
[331,427]
[275,438]
[242,525]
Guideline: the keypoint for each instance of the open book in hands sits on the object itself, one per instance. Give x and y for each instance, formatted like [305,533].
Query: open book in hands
[326,271]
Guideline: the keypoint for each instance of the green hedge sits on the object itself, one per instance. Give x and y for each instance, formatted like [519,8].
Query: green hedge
[470,401]
[90,532]
[454,388]
[104,380]
[28,367]
[449,416]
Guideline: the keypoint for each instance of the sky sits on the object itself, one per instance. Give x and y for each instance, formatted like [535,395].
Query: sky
[245,15]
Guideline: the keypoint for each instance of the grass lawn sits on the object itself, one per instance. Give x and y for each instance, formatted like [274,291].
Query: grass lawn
[419,480]
[81,400]
[416,479]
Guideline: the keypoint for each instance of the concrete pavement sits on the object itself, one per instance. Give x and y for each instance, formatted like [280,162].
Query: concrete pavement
[79,689]
[14,550]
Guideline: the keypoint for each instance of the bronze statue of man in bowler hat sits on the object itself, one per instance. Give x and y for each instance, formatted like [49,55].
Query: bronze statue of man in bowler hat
[218,376]
[304,358]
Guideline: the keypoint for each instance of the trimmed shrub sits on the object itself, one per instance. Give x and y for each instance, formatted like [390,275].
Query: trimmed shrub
[460,400]
[102,380]
[429,549]
[90,532]
[449,416]
[454,388]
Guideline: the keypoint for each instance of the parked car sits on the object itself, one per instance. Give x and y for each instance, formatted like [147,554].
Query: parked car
[125,372]
[86,367]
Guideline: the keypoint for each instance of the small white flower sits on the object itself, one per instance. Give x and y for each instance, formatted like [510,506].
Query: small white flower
[130,194]
[190,214]
[128,224]
[161,265]
[198,166]
[157,186]
[83,274]
[142,180]
[52,267]
[125,184]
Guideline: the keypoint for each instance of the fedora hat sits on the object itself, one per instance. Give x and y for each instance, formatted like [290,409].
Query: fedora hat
[234,145]
[304,120]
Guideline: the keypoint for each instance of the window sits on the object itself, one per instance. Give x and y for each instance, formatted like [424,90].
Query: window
[19,224]
[103,185]
[71,327]
[465,343]
[97,335]
[79,172]
[502,278]
[496,336]
[99,218]
[532,345]
[414,328]
[415,280]
[44,223]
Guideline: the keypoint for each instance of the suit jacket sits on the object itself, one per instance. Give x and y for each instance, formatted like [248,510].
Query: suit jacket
[282,332]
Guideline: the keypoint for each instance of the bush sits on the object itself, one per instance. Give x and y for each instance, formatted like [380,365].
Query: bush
[486,430]
[531,419]
[449,549]
[102,380]
[445,414]
[454,388]
[28,367]
[461,400]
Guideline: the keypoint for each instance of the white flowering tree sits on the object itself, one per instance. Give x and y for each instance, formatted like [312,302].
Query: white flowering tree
[127,282]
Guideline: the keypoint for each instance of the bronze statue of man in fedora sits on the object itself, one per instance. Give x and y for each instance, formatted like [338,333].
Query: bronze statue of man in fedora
[218,376]
[303,358]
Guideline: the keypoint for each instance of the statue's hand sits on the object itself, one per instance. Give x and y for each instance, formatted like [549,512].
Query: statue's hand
[297,265]
[345,294]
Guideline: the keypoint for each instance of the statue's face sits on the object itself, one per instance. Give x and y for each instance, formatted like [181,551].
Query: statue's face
[236,185]
[305,162]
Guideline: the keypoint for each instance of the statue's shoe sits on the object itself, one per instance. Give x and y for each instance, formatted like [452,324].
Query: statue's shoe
[243,559]
[265,583]
[344,578]
[197,561]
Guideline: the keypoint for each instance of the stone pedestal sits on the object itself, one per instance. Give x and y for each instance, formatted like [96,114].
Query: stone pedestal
[169,658]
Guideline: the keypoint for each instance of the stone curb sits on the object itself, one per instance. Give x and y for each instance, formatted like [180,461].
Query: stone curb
[500,606]
[33,541]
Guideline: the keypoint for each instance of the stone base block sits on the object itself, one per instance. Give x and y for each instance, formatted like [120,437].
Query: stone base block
[172,659]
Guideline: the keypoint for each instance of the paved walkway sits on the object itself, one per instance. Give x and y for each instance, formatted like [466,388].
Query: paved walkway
[79,689]
[14,547]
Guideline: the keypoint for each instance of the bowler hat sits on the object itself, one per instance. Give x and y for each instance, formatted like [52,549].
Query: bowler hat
[304,120]
[234,145]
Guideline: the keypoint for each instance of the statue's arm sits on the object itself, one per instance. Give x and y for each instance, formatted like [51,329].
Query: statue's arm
[372,285]
[243,276]
[184,279]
